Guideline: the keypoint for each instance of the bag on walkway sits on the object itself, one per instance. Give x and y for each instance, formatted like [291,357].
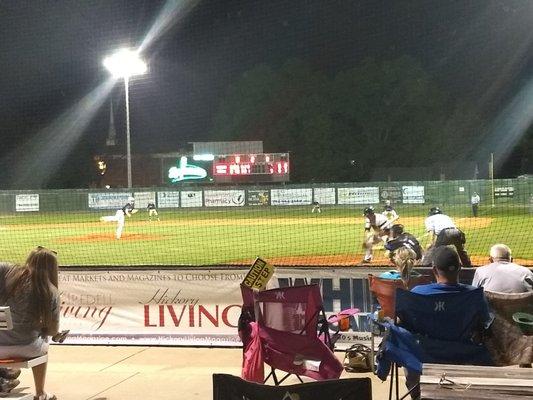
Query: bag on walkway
[358,358]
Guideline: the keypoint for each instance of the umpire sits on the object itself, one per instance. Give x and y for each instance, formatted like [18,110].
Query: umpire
[443,232]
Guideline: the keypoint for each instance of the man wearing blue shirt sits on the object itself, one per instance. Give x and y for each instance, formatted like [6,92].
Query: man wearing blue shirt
[446,266]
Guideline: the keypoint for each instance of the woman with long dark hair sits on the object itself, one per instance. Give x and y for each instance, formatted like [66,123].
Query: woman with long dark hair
[31,293]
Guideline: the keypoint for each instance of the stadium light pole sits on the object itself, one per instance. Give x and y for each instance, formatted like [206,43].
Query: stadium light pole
[124,64]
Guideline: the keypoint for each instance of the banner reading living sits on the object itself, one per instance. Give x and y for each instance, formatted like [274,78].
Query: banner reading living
[196,306]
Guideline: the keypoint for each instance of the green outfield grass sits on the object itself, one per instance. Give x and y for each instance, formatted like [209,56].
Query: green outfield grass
[289,235]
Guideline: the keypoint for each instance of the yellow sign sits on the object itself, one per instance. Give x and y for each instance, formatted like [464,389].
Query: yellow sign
[259,274]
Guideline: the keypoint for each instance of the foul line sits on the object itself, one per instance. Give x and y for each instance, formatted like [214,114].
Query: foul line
[112,386]
[125,358]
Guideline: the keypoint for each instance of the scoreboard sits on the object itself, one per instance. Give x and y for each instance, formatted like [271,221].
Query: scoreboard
[265,167]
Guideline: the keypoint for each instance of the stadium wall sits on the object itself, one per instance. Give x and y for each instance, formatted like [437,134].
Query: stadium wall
[511,192]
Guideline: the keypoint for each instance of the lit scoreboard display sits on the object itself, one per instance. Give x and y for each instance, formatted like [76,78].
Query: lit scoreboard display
[272,167]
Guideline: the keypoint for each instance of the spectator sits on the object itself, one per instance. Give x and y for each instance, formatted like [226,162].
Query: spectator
[31,293]
[502,275]
[443,232]
[446,267]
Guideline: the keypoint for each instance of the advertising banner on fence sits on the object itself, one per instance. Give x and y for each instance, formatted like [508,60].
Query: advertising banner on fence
[291,197]
[258,197]
[26,202]
[143,198]
[358,195]
[324,195]
[103,201]
[224,198]
[168,199]
[191,198]
[504,191]
[189,306]
[413,194]
[392,193]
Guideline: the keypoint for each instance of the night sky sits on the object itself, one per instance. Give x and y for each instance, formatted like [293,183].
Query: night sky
[51,56]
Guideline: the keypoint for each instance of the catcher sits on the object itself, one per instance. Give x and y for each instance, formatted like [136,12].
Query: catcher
[377,229]
[404,251]
[128,210]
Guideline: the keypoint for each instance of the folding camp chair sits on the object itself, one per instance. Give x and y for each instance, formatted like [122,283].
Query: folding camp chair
[6,323]
[384,290]
[294,335]
[436,328]
[510,341]
[228,387]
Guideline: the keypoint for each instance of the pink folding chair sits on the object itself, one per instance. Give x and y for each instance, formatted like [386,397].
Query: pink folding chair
[288,329]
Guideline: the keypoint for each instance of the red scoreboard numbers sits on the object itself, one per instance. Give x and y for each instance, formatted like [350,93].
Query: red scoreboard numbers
[258,167]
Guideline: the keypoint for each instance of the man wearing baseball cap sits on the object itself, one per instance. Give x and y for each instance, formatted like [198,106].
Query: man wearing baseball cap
[446,266]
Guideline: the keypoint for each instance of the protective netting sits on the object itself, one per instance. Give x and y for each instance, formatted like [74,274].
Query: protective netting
[286,225]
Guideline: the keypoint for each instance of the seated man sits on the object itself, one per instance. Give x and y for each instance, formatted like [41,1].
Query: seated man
[502,275]
[446,267]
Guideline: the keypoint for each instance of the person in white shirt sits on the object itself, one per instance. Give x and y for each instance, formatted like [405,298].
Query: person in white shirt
[443,232]
[474,201]
[377,229]
[390,212]
[502,275]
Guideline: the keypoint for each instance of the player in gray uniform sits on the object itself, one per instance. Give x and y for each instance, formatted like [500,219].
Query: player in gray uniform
[377,228]
[443,232]
[128,209]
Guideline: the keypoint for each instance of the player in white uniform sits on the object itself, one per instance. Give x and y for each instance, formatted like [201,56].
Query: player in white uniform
[443,232]
[128,209]
[390,212]
[377,228]
[316,207]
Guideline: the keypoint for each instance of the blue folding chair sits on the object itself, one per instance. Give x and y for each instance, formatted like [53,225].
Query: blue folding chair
[435,328]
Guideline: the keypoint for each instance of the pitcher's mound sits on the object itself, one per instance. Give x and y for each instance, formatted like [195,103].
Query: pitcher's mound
[98,237]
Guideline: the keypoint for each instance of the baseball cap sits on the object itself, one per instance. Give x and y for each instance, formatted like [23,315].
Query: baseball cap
[446,259]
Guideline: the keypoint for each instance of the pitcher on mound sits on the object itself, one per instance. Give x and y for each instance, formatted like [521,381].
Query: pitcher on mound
[128,209]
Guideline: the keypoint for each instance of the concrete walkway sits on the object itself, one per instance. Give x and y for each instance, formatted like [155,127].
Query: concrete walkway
[115,373]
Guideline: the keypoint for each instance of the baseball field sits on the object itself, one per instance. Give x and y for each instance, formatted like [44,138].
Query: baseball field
[282,235]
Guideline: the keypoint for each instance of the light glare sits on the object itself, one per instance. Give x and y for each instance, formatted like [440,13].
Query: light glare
[125,63]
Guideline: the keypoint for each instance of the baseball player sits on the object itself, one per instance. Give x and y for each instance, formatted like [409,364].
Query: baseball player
[443,232]
[400,238]
[390,212]
[377,228]
[474,201]
[152,212]
[316,207]
[128,209]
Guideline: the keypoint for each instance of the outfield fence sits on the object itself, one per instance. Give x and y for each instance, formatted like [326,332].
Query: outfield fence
[231,225]
[501,192]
